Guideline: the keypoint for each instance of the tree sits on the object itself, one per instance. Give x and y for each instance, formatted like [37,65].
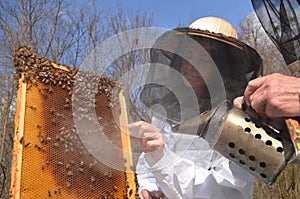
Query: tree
[63,31]
[252,33]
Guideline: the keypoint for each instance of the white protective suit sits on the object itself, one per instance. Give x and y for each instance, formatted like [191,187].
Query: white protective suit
[190,169]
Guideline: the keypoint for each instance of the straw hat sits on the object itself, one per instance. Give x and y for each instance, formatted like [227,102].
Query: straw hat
[215,25]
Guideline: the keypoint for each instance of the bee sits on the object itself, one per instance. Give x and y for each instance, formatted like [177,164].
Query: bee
[130,192]
[72,150]
[67,150]
[22,140]
[45,95]
[41,139]
[48,139]
[93,179]
[81,164]
[59,115]
[40,148]
[38,126]
[92,189]
[50,91]
[67,100]
[58,190]
[62,140]
[108,175]
[105,173]
[67,135]
[62,129]
[33,107]
[68,184]
[29,87]
[42,166]
[80,170]
[53,121]
[72,162]
[34,82]
[46,89]
[124,194]
[115,188]
[56,145]
[52,111]
[27,144]
[66,106]
[59,163]
[70,173]
[108,193]
[49,193]
[68,166]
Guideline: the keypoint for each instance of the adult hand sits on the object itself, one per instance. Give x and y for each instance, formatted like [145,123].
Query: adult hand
[237,102]
[145,194]
[149,139]
[274,95]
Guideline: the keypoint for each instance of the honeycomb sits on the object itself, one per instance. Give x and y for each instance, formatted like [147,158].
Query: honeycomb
[51,158]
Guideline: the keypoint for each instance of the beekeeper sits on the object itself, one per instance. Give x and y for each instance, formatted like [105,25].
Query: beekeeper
[193,71]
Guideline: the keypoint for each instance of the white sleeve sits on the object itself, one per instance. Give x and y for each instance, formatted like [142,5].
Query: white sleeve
[186,175]
[146,179]
[181,178]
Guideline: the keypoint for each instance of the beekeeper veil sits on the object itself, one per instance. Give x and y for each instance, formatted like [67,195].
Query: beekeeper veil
[220,67]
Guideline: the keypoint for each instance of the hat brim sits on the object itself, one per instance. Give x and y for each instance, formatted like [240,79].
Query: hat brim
[243,58]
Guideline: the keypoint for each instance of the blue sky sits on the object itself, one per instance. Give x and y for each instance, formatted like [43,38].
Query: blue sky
[168,13]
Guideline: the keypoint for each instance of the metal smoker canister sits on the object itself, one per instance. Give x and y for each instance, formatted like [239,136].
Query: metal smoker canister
[262,153]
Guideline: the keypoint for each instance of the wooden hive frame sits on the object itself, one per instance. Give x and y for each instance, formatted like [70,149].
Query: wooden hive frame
[29,145]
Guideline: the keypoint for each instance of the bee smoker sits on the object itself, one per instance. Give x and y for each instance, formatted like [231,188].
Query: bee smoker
[261,147]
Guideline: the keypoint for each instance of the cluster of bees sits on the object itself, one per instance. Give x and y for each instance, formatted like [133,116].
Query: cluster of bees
[63,90]
[40,69]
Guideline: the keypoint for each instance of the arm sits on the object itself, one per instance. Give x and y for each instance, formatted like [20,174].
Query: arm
[145,178]
[185,177]
[179,177]
[148,139]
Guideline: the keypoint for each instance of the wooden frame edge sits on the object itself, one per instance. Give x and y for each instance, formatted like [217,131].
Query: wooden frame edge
[18,145]
[127,153]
